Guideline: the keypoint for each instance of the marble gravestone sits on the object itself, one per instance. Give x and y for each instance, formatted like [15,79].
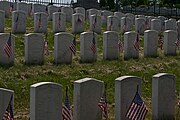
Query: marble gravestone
[104,15]
[59,22]
[130,48]
[125,90]
[163,96]
[156,25]
[62,47]
[140,25]
[93,12]
[88,47]
[131,17]
[170,24]
[170,37]
[119,15]
[87,94]
[77,23]
[2,21]
[112,23]
[52,9]
[40,22]
[46,101]
[7,56]
[150,43]
[5,6]
[110,45]
[38,8]
[34,48]
[95,23]
[68,11]
[6,99]
[162,19]
[23,7]
[18,22]
[126,24]
[80,10]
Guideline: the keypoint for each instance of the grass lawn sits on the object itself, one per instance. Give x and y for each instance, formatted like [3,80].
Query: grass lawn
[20,76]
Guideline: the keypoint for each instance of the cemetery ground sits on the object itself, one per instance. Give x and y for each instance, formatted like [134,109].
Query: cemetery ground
[19,77]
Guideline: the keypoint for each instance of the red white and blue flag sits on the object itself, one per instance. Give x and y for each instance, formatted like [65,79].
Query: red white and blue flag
[8,115]
[103,105]
[8,47]
[137,109]
[95,21]
[73,46]
[39,21]
[93,45]
[16,22]
[111,24]
[136,43]
[66,111]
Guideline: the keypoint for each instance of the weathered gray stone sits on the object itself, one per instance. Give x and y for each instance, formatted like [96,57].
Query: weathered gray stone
[68,11]
[7,58]
[162,19]
[126,24]
[88,47]
[130,48]
[163,96]
[18,22]
[170,38]
[112,23]
[5,6]
[5,100]
[34,48]
[119,15]
[38,8]
[150,43]
[59,22]
[91,90]
[140,25]
[93,12]
[80,10]
[2,20]
[125,90]
[95,23]
[62,43]
[104,15]
[110,45]
[77,23]
[131,16]
[52,9]
[23,7]
[46,101]
[156,25]
[170,24]
[40,22]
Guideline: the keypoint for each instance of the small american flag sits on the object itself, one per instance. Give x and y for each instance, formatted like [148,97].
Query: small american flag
[120,45]
[137,109]
[136,43]
[11,7]
[177,43]
[59,21]
[16,22]
[8,47]
[66,111]
[30,11]
[8,115]
[47,11]
[161,42]
[124,26]
[73,46]
[79,20]
[103,105]
[111,24]
[93,44]
[146,23]
[46,50]
[39,21]
[95,21]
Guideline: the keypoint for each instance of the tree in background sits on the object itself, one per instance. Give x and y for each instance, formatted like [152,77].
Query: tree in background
[107,4]
[103,3]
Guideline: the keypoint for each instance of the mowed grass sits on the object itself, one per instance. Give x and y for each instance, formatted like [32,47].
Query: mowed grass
[19,77]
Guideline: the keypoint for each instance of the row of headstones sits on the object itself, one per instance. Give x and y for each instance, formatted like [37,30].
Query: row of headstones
[65,46]
[46,98]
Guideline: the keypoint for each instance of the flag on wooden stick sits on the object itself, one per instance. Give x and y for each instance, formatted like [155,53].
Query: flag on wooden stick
[16,21]
[72,47]
[93,44]
[8,47]
[136,43]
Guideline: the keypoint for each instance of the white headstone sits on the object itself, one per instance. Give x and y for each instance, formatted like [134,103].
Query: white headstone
[170,24]
[156,25]
[23,7]
[62,47]
[46,101]
[34,48]
[38,8]
[131,45]
[104,15]
[162,19]
[163,96]
[110,45]
[119,15]
[125,90]
[88,47]
[2,20]
[150,43]
[40,22]
[59,22]
[80,10]
[52,9]
[18,22]
[5,6]
[140,25]
[6,98]
[131,16]
[95,23]
[68,11]
[170,38]
[126,24]
[112,23]
[93,12]
[77,23]
[87,94]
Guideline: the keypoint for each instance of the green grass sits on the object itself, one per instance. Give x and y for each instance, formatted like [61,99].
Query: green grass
[20,76]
